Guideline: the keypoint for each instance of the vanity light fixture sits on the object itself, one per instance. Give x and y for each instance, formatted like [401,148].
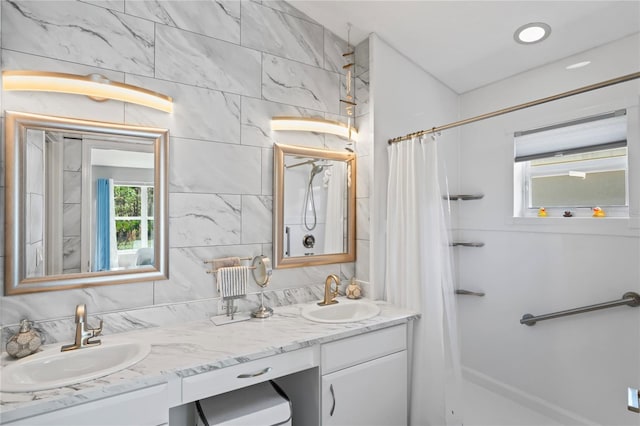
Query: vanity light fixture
[318,125]
[95,86]
[533,32]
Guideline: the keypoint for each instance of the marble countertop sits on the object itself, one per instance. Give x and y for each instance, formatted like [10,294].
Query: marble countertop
[196,347]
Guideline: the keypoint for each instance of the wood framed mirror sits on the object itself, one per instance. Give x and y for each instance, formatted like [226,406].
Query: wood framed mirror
[314,206]
[86,203]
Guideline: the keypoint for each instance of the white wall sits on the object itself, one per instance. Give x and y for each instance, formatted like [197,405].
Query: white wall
[296,211]
[405,98]
[582,363]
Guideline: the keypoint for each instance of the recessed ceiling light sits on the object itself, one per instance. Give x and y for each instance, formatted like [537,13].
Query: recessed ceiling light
[577,65]
[533,32]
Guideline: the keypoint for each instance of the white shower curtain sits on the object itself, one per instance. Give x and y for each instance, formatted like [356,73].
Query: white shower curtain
[419,277]
[336,181]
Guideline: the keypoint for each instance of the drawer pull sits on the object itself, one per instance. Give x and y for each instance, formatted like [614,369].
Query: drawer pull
[333,395]
[256,374]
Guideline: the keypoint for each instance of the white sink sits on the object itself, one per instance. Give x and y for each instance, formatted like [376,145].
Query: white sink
[52,369]
[346,310]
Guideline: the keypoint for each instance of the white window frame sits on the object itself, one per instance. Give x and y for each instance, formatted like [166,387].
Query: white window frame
[144,218]
[523,172]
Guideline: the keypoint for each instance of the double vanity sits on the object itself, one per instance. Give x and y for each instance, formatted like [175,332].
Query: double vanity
[340,363]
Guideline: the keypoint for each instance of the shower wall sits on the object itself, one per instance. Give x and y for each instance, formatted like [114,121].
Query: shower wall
[576,368]
[404,98]
[304,219]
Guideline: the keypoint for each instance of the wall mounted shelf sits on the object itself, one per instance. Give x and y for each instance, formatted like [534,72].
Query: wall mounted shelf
[463,197]
[469,292]
[466,244]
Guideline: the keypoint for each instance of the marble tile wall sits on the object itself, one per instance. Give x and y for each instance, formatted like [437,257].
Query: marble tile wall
[72,202]
[34,202]
[365,161]
[229,66]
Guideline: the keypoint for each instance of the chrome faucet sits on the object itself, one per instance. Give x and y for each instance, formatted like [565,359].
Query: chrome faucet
[83,334]
[329,296]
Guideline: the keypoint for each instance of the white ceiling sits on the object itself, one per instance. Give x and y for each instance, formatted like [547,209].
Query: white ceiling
[121,158]
[469,44]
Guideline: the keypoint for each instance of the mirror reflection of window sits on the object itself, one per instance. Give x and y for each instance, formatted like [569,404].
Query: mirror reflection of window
[124,214]
[134,221]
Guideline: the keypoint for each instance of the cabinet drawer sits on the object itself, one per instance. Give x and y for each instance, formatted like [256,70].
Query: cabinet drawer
[246,374]
[355,350]
[145,407]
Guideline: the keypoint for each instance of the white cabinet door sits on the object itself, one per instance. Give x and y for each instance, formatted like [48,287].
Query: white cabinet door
[145,407]
[371,393]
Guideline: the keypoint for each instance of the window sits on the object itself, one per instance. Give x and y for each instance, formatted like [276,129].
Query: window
[573,166]
[133,216]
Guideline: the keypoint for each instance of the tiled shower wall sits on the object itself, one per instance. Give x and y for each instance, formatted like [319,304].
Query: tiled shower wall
[230,66]
[34,202]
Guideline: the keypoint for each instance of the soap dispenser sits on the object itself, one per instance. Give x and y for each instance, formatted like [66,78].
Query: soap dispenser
[353,290]
[25,342]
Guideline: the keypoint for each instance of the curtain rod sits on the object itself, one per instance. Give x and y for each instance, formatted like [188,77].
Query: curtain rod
[584,89]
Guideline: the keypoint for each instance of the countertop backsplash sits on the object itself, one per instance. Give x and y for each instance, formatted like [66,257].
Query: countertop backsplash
[61,330]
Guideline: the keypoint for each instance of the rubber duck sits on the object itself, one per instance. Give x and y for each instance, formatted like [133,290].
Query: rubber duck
[542,212]
[598,212]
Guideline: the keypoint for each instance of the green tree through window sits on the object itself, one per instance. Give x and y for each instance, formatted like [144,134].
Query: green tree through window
[133,216]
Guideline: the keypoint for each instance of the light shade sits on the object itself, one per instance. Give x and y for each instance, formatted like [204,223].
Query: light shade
[95,86]
[318,125]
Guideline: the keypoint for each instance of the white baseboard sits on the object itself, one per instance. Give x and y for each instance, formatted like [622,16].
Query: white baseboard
[528,400]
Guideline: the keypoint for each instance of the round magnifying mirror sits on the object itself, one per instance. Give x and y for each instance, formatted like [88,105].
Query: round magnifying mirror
[262,275]
[262,272]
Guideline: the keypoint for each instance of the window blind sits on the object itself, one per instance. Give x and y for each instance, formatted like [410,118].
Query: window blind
[603,131]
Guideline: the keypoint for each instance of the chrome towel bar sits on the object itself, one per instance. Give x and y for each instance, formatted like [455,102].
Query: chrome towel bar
[630,299]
